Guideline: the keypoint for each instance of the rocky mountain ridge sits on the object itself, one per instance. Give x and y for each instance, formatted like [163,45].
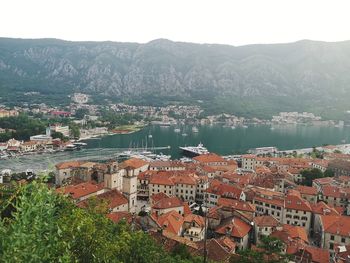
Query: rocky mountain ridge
[304,71]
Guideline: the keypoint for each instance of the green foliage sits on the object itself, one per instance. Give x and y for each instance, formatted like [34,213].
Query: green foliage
[74,130]
[310,175]
[58,135]
[328,173]
[118,119]
[270,250]
[80,113]
[46,227]
[32,235]
[316,153]
[23,125]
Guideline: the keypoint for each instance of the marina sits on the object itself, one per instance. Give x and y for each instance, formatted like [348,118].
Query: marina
[164,139]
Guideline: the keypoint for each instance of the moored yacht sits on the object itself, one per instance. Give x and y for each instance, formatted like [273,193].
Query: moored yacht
[194,150]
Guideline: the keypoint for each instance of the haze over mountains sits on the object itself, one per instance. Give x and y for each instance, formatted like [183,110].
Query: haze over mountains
[305,75]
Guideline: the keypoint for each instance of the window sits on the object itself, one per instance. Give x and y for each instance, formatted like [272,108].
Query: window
[343,239]
[331,246]
[332,237]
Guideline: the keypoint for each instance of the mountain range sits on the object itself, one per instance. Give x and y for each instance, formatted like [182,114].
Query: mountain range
[257,79]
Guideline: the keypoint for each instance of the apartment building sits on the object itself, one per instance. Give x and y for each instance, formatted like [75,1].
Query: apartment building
[297,211]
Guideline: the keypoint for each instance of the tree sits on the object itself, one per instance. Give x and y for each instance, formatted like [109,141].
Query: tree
[328,173]
[58,135]
[270,250]
[74,130]
[47,227]
[80,113]
[309,175]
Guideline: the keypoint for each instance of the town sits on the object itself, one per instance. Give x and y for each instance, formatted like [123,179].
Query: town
[39,128]
[230,205]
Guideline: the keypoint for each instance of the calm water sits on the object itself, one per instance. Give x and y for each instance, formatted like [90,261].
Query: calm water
[222,140]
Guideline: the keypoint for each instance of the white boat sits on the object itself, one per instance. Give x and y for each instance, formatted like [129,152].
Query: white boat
[177,130]
[233,127]
[163,157]
[186,160]
[80,143]
[244,126]
[184,134]
[150,136]
[195,129]
[194,150]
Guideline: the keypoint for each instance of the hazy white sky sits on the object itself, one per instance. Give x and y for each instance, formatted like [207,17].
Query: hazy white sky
[235,22]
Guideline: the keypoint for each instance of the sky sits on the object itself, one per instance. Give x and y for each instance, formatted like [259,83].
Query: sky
[234,22]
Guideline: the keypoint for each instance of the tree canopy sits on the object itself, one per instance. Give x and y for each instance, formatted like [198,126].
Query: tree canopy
[43,226]
[270,250]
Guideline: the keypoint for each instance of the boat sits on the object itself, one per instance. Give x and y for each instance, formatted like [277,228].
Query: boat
[71,147]
[162,157]
[194,150]
[150,136]
[233,127]
[79,144]
[186,160]
[184,134]
[177,130]
[195,129]
[244,126]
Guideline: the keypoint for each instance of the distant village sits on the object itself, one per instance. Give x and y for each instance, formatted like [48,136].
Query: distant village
[228,204]
[91,123]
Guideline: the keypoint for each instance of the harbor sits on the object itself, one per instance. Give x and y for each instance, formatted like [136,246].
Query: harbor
[166,141]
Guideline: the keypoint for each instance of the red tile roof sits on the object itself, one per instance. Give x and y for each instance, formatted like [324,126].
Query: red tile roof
[331,191]
[114,198]
[133,163]
[322,208]
[161,180]
[189,180]
[199,220]
[307,190]
[166,164]
[266,221]
[295,202]
[187,209]
[118,216]
[236,227]
[209,158]
[216,252]
[157,197]
[225,190]
[171,222]
[170,202]
[81,190]
[337,225]
[236,204]
[70,164]
[318,255]
[146,175]
[289,233]
[227,243]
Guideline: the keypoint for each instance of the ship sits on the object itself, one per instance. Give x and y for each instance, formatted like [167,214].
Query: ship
[194,150]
